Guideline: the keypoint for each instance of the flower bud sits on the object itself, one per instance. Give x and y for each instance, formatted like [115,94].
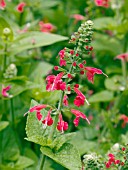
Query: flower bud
[6,31]
[89,22]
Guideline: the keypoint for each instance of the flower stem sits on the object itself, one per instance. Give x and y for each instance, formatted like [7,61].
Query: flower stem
[56,117]
[42,161]
[12,113]
[5,56]
[124,71]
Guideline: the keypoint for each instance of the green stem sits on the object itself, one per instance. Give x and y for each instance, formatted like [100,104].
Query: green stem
[124,72]
[42,161]
[57,116]
[12,113]
[5,56]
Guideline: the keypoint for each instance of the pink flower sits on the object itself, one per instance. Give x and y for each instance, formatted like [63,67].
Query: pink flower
[4,91]
[36,108]
[91,72]
[80,98]
[2,4]
[46,27]
[55,82]
[78,115]
[62,62]
[39,115]
[123,57]
[48,121]
[20,7]
[65,101]
[125,119]
[78,17]
[62,125]
[103,3]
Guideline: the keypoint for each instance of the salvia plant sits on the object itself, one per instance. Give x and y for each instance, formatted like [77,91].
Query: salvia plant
[45,123]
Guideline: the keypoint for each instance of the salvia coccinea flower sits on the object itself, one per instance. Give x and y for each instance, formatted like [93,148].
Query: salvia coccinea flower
[46,27]
[55,82]
[79,115]
[4,91]
[80,98]
[91,71]
[37,108]
[48,121]
[125,120]
[65,101]
[103,3]
[20,7]
[62,125]
[123,57]
[2,4]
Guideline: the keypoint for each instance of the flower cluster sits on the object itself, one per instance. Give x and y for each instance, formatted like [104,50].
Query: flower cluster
[111,160]
[11,71]
[122,161]
[71,62]
[93,161]
[103,3]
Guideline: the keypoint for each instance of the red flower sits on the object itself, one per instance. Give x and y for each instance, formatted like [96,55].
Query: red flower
[80,98]
[123,57]
[46,27]
[91,72]
[62,126]
[56,68]
[2,4]
[55,82]
[104,3]
[62,62]
[20,7]
[78,115]
[125,119]
[37,109]
[65,101]
[48,121]
[81,65]
[39,115]
[4,91]
[76,85]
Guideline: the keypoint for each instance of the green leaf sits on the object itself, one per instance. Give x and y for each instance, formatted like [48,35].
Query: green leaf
[3,125]
[68,156]
[34,129]
[105,43]
[8,147]
[60,140]
[24,41]
[23,162]
[5,24]
[104,23]
[82,144]
[102,96]
[114,83]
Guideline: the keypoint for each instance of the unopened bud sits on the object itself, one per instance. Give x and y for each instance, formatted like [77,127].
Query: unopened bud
[89,22]
[6,31]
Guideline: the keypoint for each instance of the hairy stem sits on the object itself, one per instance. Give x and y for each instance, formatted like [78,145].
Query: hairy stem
[124,71]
